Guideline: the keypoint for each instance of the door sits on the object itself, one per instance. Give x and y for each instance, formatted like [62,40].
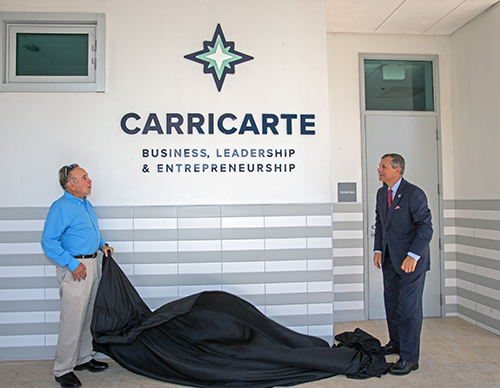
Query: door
[414,137]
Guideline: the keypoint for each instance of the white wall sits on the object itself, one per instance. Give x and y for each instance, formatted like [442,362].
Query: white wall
[146,72]
[345,116]
[476,99]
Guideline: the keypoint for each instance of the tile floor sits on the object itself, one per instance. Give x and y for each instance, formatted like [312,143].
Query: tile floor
[454,354]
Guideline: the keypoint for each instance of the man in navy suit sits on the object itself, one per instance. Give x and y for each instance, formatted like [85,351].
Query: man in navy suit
[403,231]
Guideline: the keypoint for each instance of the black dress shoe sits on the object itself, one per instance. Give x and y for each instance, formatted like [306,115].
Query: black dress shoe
[69,380]
[390,349]
[403,367]
[93,366]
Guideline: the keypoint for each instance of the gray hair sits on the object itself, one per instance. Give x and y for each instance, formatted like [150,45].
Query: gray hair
[396,161]
[63,174]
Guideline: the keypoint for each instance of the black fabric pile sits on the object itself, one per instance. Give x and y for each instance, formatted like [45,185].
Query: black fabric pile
[216,339]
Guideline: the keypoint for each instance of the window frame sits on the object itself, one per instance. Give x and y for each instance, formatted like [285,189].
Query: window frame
[12,23]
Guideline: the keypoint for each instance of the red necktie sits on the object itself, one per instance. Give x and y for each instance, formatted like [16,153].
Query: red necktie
[390,198]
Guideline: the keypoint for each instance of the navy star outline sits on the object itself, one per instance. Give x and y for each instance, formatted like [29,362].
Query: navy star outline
[210,66]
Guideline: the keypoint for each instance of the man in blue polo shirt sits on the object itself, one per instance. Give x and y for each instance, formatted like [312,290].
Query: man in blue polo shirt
[71,239]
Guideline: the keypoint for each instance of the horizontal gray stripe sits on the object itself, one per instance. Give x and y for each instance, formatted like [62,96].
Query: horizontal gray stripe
[465,240]
[155,280]
[290,232]
[487,224]
[346,279]
[488,282]
[243,233]
[21,237]
[285,210]
[29,353]
[450,239]
[347,225]
[22,329]
[243,211]
[468,277]
[449,204]
[12,306]
[488,301]
[155,212]
[464,258]
[451,291]
[465,222]
[347,208]
[284,299]
[286,277]
[23,213]
[488,321]
[24,259]
[343,261]
[319,209]
[114,212]
[488,244]
[118,235]
[451,308]
[470,295]
[348,296]
[195,234]
[464,204]
[448,222]
[236,256]
[320,319]
[148,258]
[349,315]
[244,278]
[198,211]
[487,204]
[467,312]
[321,297]
[15,283]
[319,231]
[319,253]
[287,254]
[348,243]
[488,263]
[320,276]
[200,257]
[299,320]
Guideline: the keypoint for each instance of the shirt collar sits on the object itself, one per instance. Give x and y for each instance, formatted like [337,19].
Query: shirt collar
[71,197]
[396,186]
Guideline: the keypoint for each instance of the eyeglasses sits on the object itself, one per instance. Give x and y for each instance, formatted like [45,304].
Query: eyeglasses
[68,168]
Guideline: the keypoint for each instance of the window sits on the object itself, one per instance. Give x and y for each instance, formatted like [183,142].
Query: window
[52,52]
[398,85]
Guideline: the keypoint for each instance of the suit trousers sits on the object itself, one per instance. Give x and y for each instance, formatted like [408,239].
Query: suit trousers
[403,307]
[74,345]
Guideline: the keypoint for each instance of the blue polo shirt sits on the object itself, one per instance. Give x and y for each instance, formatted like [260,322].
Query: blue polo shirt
[71,229]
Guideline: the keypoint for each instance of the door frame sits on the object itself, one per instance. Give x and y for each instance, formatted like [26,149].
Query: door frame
[367,240]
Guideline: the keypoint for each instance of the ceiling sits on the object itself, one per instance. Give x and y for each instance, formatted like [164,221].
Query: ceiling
[420,17]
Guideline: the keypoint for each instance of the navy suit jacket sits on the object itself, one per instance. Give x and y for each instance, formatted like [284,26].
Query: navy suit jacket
[405,227]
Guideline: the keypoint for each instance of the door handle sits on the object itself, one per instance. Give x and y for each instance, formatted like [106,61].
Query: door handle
[372,232]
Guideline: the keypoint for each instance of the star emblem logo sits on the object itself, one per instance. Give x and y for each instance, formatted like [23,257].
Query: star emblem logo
[218,57]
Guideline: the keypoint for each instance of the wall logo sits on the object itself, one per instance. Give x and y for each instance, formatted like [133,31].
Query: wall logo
[218,57]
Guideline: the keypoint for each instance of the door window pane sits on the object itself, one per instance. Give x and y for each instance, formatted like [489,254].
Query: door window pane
[398,85]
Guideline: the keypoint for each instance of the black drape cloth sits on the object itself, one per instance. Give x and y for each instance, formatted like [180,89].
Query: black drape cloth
[216,339]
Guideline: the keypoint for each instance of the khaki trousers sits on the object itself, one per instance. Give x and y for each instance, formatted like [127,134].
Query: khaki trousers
[74,345]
